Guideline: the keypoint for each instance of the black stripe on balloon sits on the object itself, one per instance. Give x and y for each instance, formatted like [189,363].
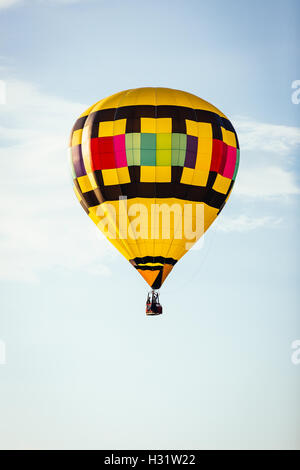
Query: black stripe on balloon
[135,176]
[217,132]
[176,173]
[155,259]
[157,283]
[133,125]
[163,190]
[207,116]
[227,125]
[178,126]
[90,199]
[94,130]
[126,112]
[214,199]
[177,113]
[99,178]
[149,268]
[106,114]
[113,193]
[134,172]
[211,179]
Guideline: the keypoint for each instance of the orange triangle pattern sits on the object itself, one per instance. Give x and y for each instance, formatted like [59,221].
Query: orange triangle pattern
[149,276]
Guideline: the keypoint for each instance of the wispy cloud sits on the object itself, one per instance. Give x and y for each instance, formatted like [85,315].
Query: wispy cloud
[264,137]
[244,223]
[268,153]
[266,182]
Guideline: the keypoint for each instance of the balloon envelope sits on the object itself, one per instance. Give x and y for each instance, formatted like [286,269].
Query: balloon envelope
[148,164]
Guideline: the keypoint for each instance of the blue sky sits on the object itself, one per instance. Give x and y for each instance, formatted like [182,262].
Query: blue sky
[84,367]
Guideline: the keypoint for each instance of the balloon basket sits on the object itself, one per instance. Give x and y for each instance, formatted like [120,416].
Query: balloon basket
[153,307]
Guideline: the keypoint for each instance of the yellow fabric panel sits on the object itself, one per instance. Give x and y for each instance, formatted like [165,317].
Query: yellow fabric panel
[148,125]
[221,184]
[137,96]
[169,247]
[106,129]
[110,177]
[165,96]
[204,154]
[163,174]
[147,249]
[145,96]
[148,174]
[123,175]
[229,137]
[125,228]
[191,128]
[159,125]
[86,184]
[200,178]
[177,250]
[76,137]
[164,125]
[120,126]
[187,175]
[204,131]
[142,246]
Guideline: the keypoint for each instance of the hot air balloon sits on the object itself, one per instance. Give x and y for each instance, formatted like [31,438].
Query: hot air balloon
[149,165]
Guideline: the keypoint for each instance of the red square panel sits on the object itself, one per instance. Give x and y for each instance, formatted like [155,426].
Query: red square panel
[102,153]
[103,161]
[95,146]
[106,144]
[224,159]
[218,150]
[107,161]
